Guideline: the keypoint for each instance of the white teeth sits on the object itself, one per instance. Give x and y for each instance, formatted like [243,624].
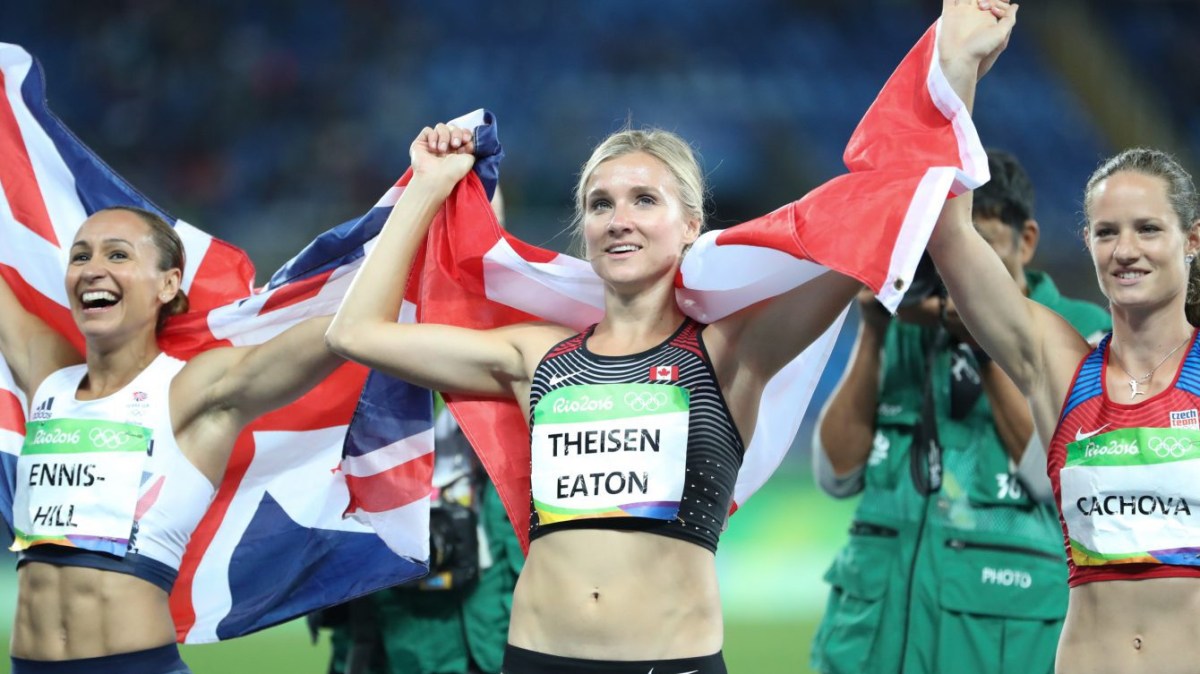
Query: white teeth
[99,296]
[1129,274]
[626,248]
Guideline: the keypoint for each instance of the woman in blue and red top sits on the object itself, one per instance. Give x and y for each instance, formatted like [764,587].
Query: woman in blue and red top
[1122,417]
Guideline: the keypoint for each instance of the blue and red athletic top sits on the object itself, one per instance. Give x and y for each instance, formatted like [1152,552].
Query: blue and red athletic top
[1089,410]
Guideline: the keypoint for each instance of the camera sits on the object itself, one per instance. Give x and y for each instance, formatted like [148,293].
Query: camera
[453,547]
[925,283]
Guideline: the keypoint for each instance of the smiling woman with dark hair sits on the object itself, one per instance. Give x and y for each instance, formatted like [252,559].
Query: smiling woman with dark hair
[124,447]
[1119,419]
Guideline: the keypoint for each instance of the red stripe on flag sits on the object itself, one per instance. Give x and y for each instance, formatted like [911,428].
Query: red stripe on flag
[54,314]
[316,409]
[452,288]
[182,610]
[393,488]
[295,292]
[528,252]
[12,415]
[16,176]
[187,335]
[224,275]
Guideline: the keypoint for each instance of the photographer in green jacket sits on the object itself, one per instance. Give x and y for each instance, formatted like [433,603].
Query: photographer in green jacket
[955,560]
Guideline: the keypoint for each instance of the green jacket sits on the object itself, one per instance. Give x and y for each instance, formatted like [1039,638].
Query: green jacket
[969,579]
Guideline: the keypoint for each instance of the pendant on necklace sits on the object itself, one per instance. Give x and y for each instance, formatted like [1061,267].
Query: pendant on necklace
[1133,390]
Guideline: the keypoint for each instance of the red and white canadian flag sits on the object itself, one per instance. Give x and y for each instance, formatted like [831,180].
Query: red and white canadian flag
[915,146]
[664,373]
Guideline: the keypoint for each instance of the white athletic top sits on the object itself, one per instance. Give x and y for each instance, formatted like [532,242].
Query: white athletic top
[172,495]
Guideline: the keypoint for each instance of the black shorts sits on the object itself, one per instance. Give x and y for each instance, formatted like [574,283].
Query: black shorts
[521,661]
[161,660]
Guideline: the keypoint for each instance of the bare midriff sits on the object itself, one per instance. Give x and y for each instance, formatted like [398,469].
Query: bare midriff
[1132,627]
[68,613]
[599,593]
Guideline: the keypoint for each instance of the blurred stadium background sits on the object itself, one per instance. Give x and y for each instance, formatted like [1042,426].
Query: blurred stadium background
[267,122]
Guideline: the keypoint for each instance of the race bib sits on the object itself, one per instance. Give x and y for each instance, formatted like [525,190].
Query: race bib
[77,484]
[1133,496]
[612,450]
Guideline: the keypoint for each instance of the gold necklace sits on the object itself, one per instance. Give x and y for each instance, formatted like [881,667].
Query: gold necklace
[1135,382]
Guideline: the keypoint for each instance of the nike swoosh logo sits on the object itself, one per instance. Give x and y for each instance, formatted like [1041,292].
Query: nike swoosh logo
[557,379]
[1080,435]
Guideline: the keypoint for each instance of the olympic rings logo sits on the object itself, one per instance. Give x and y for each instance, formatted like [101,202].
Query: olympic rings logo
[106,438]
[1170,447]
[645,402]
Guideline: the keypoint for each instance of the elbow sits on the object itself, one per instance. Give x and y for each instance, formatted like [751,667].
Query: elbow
[840,486]
[339,340]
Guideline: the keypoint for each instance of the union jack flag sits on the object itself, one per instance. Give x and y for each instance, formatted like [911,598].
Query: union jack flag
[280,507]
[915,146]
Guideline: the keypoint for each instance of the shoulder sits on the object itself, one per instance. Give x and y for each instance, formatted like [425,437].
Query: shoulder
[63,378]
[162,371]
[195,377]
[168,365]
[67,373]
[207,362]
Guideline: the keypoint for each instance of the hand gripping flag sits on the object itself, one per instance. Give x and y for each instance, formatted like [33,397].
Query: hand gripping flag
[914,147]
[273,544]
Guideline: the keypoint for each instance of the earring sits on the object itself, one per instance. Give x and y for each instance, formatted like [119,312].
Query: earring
[1188,259]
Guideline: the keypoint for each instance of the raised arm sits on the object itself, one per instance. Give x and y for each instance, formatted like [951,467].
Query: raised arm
[220,391]
[444,358]
[765,337]
[1026,339]
[250,381]
[32,348]
[1011,328]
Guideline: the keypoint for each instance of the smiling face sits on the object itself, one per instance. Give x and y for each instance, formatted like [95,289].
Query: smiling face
[634,225]
[114,284]
[1137,241]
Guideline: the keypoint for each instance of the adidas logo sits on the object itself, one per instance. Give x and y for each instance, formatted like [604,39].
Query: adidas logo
[42,411]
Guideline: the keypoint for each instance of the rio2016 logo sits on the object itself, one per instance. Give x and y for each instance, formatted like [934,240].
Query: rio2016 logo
[1114,448]
[583,404]
[55,436]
